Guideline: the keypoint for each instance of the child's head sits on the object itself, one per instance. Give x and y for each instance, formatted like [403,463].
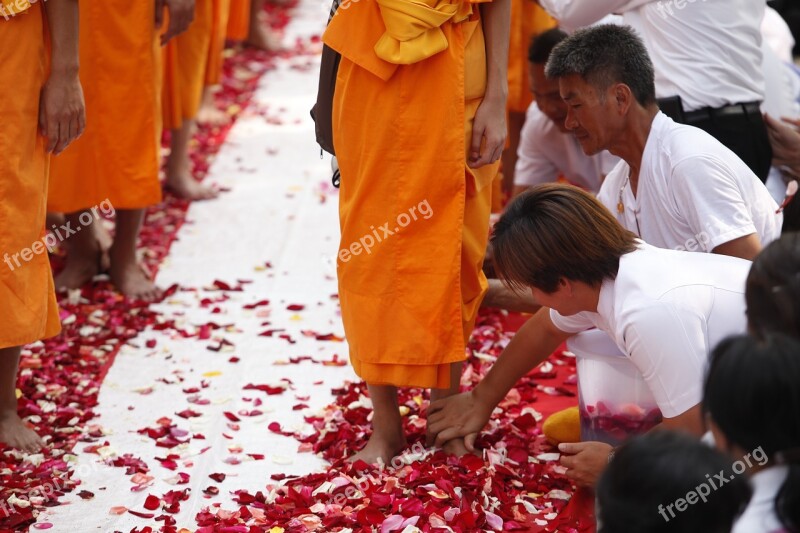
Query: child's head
[659,482]
[752,402]
[773,288]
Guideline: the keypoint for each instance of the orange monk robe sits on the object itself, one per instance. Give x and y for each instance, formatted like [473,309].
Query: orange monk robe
[528,19]
[402,127]
[185,59]
[219,24]
[239,20]
[117,157]
[28,309]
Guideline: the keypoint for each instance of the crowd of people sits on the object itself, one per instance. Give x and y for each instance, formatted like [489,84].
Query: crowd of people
[649,150]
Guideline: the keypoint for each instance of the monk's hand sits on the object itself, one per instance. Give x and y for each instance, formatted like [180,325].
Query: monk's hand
[181,15]
[463,415]
[62,112]
[488,133]
[784,137]
[584,461]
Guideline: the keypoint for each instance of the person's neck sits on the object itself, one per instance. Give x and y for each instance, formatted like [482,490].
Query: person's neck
[633,139]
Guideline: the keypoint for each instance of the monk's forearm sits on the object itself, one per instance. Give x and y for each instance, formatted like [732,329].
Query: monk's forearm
[531,345]
[496,17]
[62,17]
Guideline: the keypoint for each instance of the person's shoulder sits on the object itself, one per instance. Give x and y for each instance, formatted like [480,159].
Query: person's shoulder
[538,123]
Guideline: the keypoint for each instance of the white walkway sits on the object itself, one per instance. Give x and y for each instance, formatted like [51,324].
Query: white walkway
[280,211]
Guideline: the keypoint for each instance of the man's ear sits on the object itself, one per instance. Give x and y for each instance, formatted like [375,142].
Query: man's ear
[623,97]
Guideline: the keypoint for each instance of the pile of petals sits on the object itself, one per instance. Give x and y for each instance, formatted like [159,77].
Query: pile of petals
[60,377]
[517,485]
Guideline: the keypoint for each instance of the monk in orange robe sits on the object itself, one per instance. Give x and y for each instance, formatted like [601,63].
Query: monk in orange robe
[42,112]
[246,25]
[116,161]
[528,20]
[419,126]
[185,60]
[209,114]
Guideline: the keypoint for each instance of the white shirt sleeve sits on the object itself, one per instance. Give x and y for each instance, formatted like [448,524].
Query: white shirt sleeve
[709,198]
[571,324]
[533,165]
[573,14]
[670,348]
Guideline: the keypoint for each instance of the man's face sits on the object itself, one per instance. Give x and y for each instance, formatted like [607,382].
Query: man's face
[548,98]
[589,117]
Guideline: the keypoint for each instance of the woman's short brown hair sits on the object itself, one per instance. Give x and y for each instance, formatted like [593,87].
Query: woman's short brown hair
[553,231]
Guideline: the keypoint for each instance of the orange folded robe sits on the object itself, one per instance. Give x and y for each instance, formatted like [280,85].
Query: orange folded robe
[185,60]
[28,309]
[528,19]
[239,20]
[219,24]
[401,132]
[117,157]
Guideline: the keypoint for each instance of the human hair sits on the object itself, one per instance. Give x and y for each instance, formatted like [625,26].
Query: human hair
[640,488]
[554,230]
[604,55]
[542,45]
[773,288]
[752,394]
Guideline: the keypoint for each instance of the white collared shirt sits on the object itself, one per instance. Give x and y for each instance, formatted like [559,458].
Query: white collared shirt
[708,52]
[760,516]
[666,310]
[693,193]
[545,152]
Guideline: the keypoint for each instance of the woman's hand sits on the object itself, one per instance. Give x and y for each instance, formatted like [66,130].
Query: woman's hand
[463,415]
[586,461]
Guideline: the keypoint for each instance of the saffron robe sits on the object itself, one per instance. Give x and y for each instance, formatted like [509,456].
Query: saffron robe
[28,308]
[219,25]
[411,78]
[185,60]
[117,157]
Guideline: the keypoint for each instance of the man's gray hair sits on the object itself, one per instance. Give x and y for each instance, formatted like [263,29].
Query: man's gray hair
[604,55]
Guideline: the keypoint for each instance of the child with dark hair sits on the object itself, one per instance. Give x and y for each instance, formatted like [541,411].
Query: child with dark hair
[773,288]
[659,483]
[752,403]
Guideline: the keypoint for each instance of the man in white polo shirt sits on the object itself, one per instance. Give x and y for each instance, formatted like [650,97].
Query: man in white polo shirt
[546,149]
[677,187]
[707,57]
[664,309]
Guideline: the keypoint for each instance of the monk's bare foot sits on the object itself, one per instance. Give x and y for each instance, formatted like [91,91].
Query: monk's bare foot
[380,449]
[81,267]
[264,38]
[131,280]
[188,188]
[15,434]
[209,114]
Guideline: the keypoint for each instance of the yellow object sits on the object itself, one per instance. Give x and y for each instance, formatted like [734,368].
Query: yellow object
[563,426]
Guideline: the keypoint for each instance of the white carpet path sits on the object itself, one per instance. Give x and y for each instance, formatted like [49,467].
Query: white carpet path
[279,210]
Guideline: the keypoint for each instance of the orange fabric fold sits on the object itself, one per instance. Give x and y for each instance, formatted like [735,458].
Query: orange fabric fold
[117,157]
[239,20]
[185,60]
[528,19]
[28,308]
[410,301]
[219,24]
